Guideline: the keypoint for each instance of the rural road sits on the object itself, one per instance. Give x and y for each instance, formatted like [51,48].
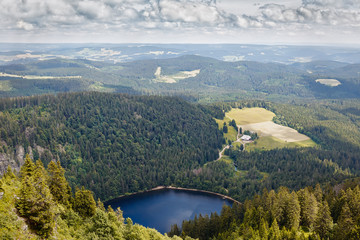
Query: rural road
[221,153]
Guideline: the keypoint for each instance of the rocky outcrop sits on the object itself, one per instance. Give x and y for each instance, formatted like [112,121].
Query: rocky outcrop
[16,160]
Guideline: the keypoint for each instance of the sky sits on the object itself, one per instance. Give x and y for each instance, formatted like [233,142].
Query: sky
[303,22]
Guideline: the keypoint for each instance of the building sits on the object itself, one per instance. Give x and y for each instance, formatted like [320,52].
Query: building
[245,138]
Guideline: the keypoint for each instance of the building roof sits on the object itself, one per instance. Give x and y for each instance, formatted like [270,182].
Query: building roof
[246,137]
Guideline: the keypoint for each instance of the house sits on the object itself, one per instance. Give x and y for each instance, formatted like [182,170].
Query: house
[245,138]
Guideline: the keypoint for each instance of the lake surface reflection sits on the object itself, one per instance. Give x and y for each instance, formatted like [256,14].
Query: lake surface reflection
[162,208]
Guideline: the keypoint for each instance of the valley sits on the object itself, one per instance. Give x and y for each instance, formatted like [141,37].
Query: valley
[124,127]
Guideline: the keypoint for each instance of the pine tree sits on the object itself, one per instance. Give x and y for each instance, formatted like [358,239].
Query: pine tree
[35,201]
[263,229]
[28,167]
[274,231]
[345,223]
[84,202]
[308,206]
[58,185]
[9,173]
[324,222]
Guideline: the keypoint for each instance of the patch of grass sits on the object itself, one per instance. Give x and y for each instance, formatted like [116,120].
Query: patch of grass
[100,88]
[5,86]
[231,134]
[250,115]
[269,142]
[227,159]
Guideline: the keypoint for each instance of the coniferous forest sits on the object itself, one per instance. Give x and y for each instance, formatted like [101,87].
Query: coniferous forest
[38,203]
[94,145]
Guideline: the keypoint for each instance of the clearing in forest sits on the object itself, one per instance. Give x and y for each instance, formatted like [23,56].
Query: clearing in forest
[37,77]
[275,130]
[175,77]
[250,115]
[329,82]
[271,135]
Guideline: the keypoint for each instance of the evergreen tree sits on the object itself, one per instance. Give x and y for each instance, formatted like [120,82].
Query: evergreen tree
[308,206]
[84,202]
[324,222]
[225,128]
[274,231]
[345,223]
[28,167]
[9,173]
[58,185]
[35,201]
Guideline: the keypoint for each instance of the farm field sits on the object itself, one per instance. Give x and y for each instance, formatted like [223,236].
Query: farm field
[271,135]
[269,143]
[250,115]
[275,130]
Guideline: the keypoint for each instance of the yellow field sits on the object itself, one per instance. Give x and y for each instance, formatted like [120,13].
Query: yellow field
[269,142]
[271,135]
[250,115]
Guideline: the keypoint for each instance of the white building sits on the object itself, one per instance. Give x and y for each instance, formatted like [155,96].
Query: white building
[246,138]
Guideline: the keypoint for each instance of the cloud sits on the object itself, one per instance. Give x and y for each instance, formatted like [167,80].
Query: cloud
[347,4]
[101,16]
[309,14]
[24,25]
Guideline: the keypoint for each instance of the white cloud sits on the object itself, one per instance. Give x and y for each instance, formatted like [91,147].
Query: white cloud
[205,16]
[24,25]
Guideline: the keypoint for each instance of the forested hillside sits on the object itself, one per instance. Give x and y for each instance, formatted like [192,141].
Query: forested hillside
[309,213]
[112,144]
[38,203]
[332,124]
[214,80]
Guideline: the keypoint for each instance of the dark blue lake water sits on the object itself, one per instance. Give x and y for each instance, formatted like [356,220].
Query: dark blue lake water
[160,209]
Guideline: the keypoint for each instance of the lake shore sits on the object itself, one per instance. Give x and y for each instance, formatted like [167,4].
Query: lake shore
[176,188]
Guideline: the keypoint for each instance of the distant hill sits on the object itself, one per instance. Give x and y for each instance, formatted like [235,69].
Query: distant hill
[214,79]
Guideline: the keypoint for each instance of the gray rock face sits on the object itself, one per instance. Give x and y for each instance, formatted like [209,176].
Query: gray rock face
[8,160]
[15,161]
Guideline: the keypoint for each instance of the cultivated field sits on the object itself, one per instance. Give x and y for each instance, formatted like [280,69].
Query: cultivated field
[269,142]
[275,130]
[271,135]
[329,82]
[250,115]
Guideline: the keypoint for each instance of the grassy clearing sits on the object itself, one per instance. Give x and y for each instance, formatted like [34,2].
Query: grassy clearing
[227,159]
[175,77]
[100,88]
[329,82]
[5,86]
[231,134]
[250,115]
[37,77]
[270,142]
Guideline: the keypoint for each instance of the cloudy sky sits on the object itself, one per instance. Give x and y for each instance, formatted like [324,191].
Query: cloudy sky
[181,21]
